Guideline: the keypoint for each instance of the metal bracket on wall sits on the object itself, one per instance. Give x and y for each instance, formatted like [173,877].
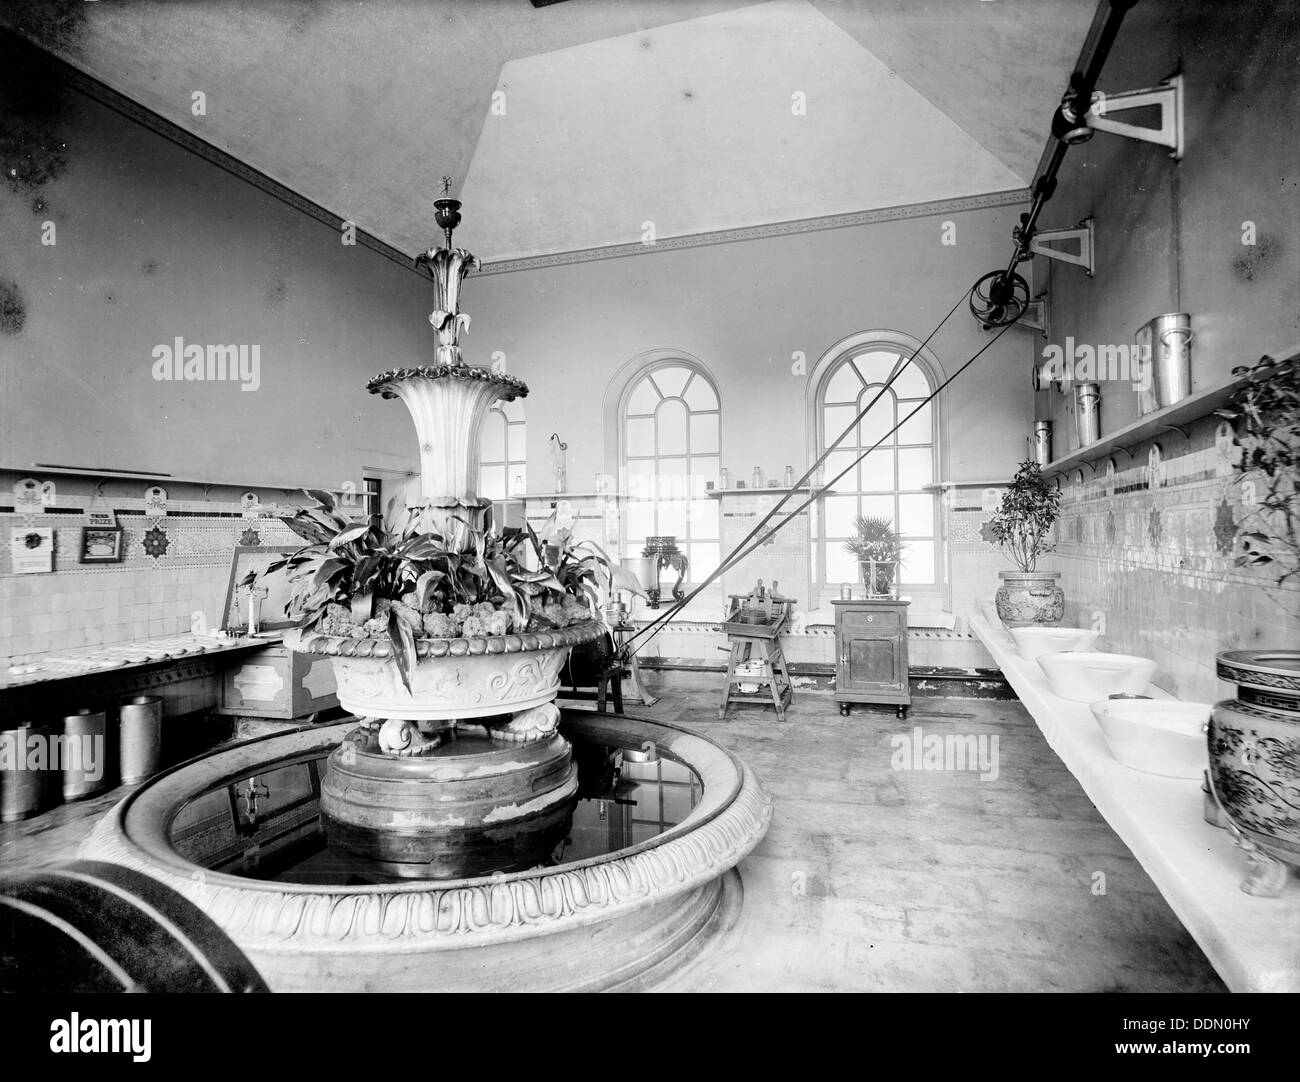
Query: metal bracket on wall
[1168,98]
[1083,236]
[1035,317]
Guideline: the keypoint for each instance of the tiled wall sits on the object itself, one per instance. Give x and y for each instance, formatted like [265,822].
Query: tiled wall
[146,595]
[1149,552]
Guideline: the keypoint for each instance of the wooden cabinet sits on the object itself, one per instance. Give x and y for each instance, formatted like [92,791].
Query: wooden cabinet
[871,654]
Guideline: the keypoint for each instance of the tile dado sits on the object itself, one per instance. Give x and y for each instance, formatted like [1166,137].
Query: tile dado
[144,596]
[1146,551]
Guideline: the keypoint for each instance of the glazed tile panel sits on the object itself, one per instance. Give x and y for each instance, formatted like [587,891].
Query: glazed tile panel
[1145,546]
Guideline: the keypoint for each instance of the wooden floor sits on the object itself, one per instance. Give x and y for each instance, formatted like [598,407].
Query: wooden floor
[881,879]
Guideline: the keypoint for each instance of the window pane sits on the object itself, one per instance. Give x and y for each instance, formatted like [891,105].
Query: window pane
[672,517]
[671,380]
[876,366]
[516,443]
[640,519]
[917,429]
[640,436]
[878,471]
[840,512]
[843,386]
[671,427]
[673,480]
[703,469]
[835,419]
[918,562]
[640,479]
[644,398]
[837,461]
[518,479]
[911,382]
[492,482]
[492,442]
[879,507]
[514,410]
[878,421]
[699,394]
[704,519]
[841,566]
[704,433]
[916,515]
[915,468]
[704,561]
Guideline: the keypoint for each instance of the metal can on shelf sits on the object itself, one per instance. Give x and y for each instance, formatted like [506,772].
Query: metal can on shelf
[81,754]
[24,771]
[140,741]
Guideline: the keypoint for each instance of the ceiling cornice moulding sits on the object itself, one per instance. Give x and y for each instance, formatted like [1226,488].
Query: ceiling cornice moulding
[760,232]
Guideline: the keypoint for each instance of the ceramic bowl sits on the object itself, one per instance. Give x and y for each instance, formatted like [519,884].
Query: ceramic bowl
[1087,677]
[1035,641]
[1156,736]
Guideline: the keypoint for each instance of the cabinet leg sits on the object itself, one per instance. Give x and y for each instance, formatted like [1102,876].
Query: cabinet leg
[902,711]
[844,710]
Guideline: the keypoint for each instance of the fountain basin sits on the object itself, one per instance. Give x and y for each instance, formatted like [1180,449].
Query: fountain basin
[1088,676]
[453,678]
[619,920]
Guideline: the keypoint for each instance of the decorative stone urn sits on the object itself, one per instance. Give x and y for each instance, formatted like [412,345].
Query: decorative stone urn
[1026,598]
[1254,749]
[405,790]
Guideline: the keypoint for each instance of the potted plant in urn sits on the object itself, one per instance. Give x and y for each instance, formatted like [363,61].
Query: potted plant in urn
[1254,739]
[1020,526]
[878,549]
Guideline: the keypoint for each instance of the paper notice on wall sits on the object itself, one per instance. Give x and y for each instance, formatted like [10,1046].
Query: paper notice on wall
[31,549]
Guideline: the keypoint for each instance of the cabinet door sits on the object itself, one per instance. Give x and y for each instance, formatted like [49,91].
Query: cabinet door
[872,662]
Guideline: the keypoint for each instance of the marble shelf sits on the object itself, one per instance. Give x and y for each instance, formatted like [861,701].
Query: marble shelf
[1253,943]
[779,490]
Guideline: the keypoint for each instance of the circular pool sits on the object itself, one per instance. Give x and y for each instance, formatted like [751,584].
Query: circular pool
[641,881]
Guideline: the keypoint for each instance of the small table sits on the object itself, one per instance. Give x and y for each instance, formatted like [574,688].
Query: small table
[754,629]
[639,690]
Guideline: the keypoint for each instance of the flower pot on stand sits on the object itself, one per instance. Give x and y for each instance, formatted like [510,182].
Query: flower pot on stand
[1026,598]
[879,577]
[1254,750]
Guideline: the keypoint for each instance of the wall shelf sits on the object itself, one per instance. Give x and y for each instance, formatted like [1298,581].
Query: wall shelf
[567,496]
[718,493]
[158,478]
[1192,408]
[939,486]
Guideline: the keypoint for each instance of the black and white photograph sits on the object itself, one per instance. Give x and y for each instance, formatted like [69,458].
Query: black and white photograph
[676,496]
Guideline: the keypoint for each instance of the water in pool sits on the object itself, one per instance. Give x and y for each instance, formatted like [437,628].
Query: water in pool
[266,825]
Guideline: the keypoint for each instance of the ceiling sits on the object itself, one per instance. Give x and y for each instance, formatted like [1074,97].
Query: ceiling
[693,115]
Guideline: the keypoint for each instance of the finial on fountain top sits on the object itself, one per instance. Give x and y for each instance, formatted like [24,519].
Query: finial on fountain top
[448,267]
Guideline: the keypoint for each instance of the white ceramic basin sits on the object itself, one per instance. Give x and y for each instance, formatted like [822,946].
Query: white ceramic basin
[1085,677]
[1157,736]
[1034,641]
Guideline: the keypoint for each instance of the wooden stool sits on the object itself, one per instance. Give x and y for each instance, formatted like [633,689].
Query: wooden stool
[753,629]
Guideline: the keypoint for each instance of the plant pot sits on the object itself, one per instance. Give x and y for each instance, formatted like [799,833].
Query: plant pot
[1254,749]
[454,679]
[879,577]
[1026,598]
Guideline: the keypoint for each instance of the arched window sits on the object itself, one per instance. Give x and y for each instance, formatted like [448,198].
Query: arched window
[503,469]
[670,439]
[890,481]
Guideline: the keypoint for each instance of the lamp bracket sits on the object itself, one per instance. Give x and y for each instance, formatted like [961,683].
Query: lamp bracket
[1168,96]
[1083,236]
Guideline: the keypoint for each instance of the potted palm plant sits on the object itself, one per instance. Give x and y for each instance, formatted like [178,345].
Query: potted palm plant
[1254,739]
[1020,527]
[878,549]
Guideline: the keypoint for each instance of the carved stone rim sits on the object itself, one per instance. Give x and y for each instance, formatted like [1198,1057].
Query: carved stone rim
[1251,668]
[312,642]
[732,817]
[510,386]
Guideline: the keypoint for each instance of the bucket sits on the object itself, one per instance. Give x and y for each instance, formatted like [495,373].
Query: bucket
[1087,412]
[1042,442]
[1169,338]
[25,775]
[141,738]
[82,754]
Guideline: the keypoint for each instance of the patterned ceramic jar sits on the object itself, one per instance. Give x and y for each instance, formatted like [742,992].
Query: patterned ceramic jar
[1254,748]
[1026,598]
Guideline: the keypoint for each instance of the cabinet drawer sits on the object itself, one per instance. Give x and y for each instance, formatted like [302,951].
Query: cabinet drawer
[874,619]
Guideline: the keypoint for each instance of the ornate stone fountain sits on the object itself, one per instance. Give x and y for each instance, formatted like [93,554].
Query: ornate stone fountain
[457,768]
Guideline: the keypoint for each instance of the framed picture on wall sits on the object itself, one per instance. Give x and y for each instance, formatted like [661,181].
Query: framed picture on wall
[101,545]
[256,559]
